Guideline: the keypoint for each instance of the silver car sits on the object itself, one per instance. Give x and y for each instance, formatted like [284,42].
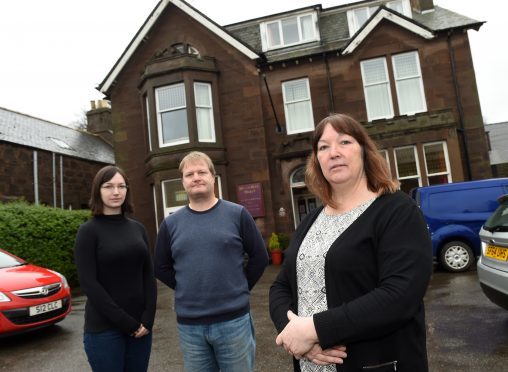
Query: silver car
[493,262]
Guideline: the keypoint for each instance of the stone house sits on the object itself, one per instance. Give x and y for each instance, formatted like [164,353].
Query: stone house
[47,163]
[249,94]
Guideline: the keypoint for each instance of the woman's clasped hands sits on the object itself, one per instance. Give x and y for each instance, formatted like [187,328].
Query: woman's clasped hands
[299,338]
[140,332]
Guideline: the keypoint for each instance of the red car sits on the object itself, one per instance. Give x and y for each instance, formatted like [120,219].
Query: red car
[31,297]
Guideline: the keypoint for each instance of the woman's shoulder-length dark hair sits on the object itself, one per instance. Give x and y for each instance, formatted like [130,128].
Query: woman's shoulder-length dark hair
[376,169]
[104,175]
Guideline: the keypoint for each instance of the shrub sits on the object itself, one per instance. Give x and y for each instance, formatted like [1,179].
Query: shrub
[41,235]
[283,240]
[273,243]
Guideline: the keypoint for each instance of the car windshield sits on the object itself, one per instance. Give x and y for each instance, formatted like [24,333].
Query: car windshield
[8,261]
[498,221]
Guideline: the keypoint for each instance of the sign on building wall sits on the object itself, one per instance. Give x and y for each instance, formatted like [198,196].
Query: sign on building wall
[251,197]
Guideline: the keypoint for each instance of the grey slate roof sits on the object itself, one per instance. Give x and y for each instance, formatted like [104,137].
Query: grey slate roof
[334,32]
[443,19]
[498,136]
[245,36]
[40,134]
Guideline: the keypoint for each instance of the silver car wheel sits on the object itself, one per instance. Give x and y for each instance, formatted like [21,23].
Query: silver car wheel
[456,256]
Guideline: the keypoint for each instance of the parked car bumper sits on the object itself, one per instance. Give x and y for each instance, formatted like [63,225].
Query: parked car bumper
[17,319]
[494,283]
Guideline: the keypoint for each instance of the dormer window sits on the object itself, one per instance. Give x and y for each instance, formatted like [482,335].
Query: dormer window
[289,31]
[357,17]
[400,6]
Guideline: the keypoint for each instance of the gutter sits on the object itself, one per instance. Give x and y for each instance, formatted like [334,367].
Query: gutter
[458,101]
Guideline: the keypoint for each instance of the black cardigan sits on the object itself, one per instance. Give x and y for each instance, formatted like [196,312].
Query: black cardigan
[376,275]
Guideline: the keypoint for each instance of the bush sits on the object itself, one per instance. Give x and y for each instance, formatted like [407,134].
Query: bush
[283,240]
[273,242]
[41,235]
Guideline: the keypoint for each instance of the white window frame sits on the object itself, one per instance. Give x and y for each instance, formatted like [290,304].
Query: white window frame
[298,185]
[447,161]
[405,5]
[419,78]
[159,123]
[170,210]
[387,84]
[354,23]
[203,107]
[148,123]
[265,41]
[289,128]
[384,154]
[418,172]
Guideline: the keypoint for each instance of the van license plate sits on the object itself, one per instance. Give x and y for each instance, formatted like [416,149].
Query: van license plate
[44,308]
[497,253]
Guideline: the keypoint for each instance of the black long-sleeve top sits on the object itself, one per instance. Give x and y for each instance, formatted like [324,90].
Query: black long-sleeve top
[115,271]
[376,275]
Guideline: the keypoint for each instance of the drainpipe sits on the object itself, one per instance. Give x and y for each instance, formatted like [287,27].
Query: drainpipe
[61,183]
[458,100]
[331,100]
[278,128]
[36,179]
[54,180]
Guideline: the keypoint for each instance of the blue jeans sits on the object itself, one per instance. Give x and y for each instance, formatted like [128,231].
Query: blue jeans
[226,346]
[114,351]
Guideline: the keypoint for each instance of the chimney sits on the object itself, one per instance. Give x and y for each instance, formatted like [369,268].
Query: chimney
[99,120]
[422,6]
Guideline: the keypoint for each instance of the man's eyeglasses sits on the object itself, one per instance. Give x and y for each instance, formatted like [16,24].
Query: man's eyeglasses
[110,187]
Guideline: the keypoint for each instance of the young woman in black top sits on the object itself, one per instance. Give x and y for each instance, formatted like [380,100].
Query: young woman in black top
[115,272]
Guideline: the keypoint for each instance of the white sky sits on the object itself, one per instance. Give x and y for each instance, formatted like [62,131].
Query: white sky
[55,52]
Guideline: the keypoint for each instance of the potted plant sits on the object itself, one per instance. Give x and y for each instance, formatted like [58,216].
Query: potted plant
[275,249]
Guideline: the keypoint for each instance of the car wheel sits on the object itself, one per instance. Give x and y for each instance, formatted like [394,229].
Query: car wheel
[456,256]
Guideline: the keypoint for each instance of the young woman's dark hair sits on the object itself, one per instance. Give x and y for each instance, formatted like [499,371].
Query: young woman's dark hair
[376,170]
[104,175]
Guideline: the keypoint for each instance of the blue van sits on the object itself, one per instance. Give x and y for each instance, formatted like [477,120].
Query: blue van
[455,212]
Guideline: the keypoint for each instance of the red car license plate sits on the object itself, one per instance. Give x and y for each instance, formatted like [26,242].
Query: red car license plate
[44,308]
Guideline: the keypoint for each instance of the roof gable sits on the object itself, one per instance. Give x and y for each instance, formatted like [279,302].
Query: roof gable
[152,19]
[381,14]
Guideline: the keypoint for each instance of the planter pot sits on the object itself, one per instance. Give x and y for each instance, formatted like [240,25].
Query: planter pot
[276,257]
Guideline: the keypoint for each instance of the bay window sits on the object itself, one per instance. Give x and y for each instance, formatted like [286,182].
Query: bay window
[178,119]
[172,115]
[204,112]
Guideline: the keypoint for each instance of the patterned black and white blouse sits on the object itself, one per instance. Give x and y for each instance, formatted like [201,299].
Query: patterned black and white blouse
[310,267]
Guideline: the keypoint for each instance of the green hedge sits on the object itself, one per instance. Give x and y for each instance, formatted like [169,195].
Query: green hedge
[41,235]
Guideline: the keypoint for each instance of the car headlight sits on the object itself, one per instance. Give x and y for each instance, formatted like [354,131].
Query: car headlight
[4,297]
[64,281]
[484,246]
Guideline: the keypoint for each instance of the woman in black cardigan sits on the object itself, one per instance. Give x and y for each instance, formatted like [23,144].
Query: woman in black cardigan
[357,269]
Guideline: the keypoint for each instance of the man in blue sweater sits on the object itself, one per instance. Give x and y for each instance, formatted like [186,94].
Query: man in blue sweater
[200,254]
